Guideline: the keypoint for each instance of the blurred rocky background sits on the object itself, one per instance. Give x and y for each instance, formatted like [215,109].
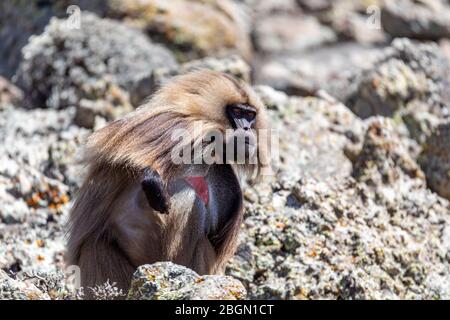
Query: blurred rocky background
[359,206]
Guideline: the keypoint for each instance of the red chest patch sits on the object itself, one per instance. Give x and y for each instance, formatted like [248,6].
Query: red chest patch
[200,186]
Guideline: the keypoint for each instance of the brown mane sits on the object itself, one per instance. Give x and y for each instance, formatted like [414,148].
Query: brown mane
[142,138]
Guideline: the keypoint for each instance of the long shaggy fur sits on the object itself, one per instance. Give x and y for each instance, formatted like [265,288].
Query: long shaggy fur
[116,157]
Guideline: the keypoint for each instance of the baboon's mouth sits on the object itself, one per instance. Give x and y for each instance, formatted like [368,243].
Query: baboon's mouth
[199,184]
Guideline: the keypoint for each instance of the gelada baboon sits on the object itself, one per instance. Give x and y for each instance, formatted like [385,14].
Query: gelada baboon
[140,205]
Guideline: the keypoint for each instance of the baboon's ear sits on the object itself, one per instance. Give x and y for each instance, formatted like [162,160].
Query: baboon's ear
[154,190]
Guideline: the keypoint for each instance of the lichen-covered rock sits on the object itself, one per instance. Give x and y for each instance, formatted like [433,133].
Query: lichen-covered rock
[20,19]
[383,159]
[407,72]
[113,104]
[426,20]
[368,229]
[11,289]
[310,131]
[435,160]
[339,238]
[168,281]
[193,28]
[38,177]
[419,121]
[63,66]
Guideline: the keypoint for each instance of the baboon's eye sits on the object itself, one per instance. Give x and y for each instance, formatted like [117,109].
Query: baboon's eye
[237,111]
[250,115]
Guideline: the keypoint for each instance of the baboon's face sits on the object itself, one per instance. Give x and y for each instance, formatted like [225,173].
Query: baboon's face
[241,134]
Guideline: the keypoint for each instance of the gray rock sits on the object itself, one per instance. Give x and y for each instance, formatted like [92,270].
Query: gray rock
[38,177]
[373,232]
[63,65]
[284,32]
[90,113]
[425,20]
[263,8]
[314,5]
[19,20]
[419,121]
[168,281]
[346,242]
[223,29]
[353,20]
[407,72]
[272,98]
[435,160]
[304,73]
[383,159]
[311,131]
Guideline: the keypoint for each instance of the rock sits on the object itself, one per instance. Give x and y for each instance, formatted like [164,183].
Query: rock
[262,8]
[9,93]
[22,19]
[424,19]
[168,281]
[310,131]
[383,159]
[19,20]
[368,229]
[304,73]
[222,29]
[407,72]
[63,66]
[272,98]
[314,5]
[11,289]
[85,115]
[116,103]
[358,27]
[435,160]
[419,121]
[13,211]
[354,20]
[38,176]
[290,33]
[342,239]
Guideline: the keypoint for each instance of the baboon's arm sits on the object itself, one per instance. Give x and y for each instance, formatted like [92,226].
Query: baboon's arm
[155,192]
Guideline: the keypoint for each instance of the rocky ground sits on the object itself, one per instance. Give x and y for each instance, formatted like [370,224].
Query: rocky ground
[359,206]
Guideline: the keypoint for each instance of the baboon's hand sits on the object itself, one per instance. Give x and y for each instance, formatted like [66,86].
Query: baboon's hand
[154,190]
